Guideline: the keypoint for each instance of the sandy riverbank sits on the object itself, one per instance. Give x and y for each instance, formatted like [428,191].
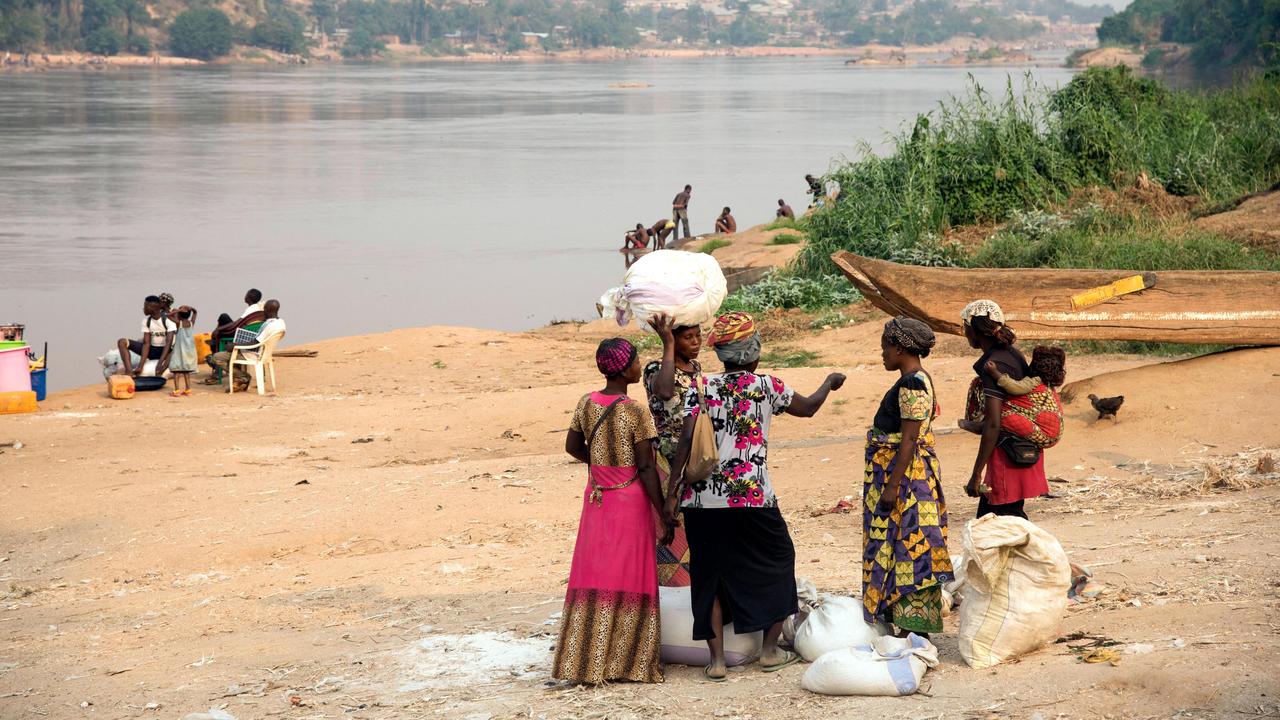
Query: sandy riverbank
[317,552]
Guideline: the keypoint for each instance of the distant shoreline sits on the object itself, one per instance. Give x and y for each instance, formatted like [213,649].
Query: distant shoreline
[855,56]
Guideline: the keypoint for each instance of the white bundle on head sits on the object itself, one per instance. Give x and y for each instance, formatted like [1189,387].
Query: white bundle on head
[687,286]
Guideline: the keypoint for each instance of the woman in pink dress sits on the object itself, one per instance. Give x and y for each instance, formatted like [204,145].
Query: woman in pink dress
[610,628]
[1001,485]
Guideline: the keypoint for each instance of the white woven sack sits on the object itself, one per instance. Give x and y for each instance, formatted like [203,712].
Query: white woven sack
[1016,577]
[687,286]
[678,646]
[891,666]
[835,624]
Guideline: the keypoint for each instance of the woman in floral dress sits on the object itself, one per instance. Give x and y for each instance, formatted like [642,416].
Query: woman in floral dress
[742,561]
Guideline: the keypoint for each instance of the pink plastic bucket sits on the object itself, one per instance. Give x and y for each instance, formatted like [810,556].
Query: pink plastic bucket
[15,373]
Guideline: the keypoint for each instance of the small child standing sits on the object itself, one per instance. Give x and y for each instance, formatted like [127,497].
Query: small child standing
[183,361]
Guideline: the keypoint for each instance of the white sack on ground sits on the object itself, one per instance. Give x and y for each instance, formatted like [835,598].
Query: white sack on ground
[687,286]
[835,624]
[678,645]
[806,600]
[891,666]
[1016,577]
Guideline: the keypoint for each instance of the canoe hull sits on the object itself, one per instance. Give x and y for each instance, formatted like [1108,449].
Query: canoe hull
[1212,307]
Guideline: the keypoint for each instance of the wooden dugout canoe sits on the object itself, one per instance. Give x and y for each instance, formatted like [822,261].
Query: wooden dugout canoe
[1224,307]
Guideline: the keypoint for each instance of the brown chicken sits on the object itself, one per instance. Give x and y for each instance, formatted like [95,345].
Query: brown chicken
[1107,407]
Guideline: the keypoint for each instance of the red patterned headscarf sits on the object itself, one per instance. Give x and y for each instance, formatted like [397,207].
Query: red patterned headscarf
[614,356]
[731,327]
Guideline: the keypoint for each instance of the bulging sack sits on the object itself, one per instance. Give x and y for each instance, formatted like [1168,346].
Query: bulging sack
[1016,577]
[891,666]
[678,646]
[687,286]
[835,624]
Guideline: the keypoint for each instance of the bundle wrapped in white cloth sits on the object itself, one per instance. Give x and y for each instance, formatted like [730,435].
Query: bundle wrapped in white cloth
[887,666]
[687,286]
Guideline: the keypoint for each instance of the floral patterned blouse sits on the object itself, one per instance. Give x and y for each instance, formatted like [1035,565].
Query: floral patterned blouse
[668,415]
[741,406]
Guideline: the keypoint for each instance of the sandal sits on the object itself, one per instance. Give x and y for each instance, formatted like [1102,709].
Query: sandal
[186,393]
[706,673]
[790,659]
[175,393]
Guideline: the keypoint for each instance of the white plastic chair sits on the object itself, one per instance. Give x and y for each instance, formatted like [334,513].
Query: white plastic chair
[257,356]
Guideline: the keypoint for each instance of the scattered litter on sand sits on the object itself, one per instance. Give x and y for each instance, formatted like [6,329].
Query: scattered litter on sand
[460,661]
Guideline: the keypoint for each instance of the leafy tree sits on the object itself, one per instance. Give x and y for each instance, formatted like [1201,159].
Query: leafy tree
[203,34]
[362,43]
[22,29]
[138,44]
[106,40]
[99,14]
[513,39]
[282,31]
[324,12]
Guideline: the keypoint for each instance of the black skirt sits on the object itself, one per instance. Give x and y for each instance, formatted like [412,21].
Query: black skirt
[744,556]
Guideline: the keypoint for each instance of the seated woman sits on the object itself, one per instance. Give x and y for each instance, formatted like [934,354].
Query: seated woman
[904,515]
[725,224]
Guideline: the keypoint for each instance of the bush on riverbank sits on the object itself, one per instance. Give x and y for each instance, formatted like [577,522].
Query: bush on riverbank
[980,160]
[202,34]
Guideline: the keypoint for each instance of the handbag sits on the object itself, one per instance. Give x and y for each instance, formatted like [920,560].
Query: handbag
[1021,451]
[704,453]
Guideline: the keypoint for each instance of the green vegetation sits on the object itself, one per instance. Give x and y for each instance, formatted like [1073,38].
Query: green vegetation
[978,160]
[1095,238]
[922,22]
[785,239]
[714,244]
[1222,33]
[778,290]
[787,358]
[282,31]
[783,223]
[201,34]
[362,44]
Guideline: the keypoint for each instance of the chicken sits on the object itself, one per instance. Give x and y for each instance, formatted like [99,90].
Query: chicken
[1107,406]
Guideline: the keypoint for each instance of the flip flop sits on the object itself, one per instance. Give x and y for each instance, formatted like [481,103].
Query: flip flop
[706,673]
[175,393]
[791,659]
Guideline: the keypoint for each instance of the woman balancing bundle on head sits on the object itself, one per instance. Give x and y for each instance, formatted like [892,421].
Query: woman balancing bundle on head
[667,382]
[904,515]
[1008,469]
[742,561]
[610,628]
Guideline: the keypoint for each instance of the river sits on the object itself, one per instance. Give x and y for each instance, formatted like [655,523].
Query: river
[372,197]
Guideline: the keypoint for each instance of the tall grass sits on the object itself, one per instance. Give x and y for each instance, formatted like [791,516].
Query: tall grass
[981,159]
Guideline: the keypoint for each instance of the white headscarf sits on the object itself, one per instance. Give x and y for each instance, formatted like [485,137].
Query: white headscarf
[982,308]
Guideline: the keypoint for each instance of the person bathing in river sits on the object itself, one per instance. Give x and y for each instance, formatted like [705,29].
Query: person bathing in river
[667,382]
[784,210]
[742,561]
[904,515]
[1001,485]
[725,224]
[634,241]
[659,232]
[609,629]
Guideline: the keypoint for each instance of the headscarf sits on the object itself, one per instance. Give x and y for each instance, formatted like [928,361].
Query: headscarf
[614,356]
[739,352]
[911,335]
[982,308]
[731,327]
